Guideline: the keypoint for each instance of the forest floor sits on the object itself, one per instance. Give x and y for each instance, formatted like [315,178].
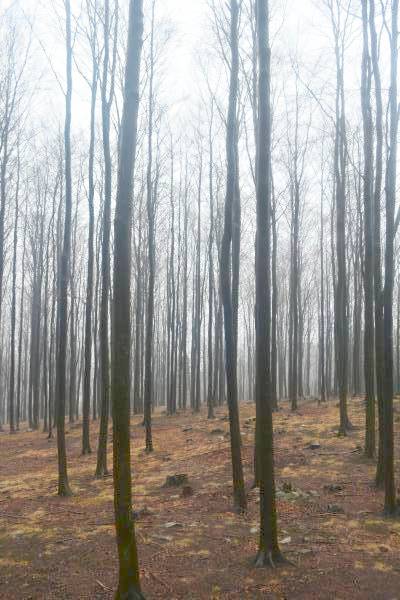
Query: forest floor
[331,526]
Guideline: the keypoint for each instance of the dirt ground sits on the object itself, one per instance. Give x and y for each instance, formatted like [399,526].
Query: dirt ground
[194,547]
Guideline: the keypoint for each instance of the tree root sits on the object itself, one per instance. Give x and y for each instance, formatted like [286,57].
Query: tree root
[269,559]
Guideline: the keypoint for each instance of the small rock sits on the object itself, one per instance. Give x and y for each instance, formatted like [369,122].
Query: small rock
[142,512]
[333,487]
[187,491]
[384,548]
[335,509]
[314,445]
[172,525]
[287,486]
[187,428]
[176,480]
[254,530]
[217,431]
[286,540]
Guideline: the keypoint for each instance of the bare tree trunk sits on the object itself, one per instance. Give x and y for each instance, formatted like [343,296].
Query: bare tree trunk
[340,154]
[62,304]
[322,378]
[11,390]
[107,96]
[86,449]
[268,549]
[210,396]
[225,266]
[21,329]
[369,363]
[379,345]
[390,194]
[150,203]
[129,577]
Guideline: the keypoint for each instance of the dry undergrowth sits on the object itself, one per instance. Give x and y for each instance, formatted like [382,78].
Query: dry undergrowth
[192,546]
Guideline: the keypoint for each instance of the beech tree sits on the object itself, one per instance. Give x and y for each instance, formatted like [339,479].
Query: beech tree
[63,275]
[226,264]
[268,549]
[129,580]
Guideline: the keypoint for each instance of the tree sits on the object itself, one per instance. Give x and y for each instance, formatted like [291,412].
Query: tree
[107,97]
[92,36]
[369,363]
[63,276]
[11,392]
[339,168]
[225,264]
[210,395]
[268,549]
[128,581]
[390,199]
[377,259]
[151,206]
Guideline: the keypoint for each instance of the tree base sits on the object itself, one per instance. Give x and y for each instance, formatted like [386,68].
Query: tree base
[392,512]
[101,473]
[86,451]
[64,491]
[369,453]
[269,559]
[131,594]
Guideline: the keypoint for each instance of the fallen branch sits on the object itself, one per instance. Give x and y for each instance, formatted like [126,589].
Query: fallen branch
[104,587]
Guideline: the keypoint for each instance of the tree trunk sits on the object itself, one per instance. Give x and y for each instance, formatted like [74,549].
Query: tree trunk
[268,549]
[225,266]
[62,304]
[129,578]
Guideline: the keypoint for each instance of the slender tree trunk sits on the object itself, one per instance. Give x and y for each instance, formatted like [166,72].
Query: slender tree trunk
[390,196]
[129,577]
[86,449]
[62,304]
[268,549]
[106,103]
[11,390]
[150,203]
[225,266]
[369,363]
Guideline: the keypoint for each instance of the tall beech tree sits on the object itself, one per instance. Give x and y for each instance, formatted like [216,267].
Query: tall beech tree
[151,207]
[107,97]
[339,15]
[390,201]
[11,391]
[63,275]
[369,363]
[268,549]
[226,262]
[92,37]
[129,578]
[377,259]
